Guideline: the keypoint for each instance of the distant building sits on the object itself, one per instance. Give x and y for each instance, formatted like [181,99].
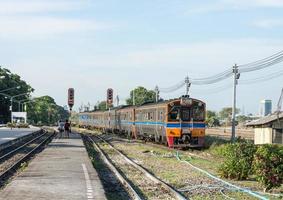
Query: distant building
[268,130]
[265,107]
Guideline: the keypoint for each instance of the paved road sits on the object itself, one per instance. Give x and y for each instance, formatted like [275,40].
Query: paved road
[62,171]
[6,134]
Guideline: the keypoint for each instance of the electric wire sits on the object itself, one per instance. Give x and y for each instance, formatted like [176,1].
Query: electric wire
[213,90]
[261,65]
[249,67]
[172,88]
[276,55]
[211,81]
[262,78]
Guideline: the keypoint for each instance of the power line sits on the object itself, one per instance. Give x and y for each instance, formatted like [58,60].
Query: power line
[261,64]
[213,90]
[211,80]
[262,78]
[249,67]
[279,54]
[172,88]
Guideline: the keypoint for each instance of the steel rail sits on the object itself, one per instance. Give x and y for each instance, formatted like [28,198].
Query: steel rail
[177,195]
[19,148]
[133,193]
[6,145]
[9,171]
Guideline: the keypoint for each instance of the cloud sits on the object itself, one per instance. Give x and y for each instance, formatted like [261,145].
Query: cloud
[147,65]
[269,23]
[19,27]
[254,3]
[38,6]
[35,19]
[195,57]
[232,5]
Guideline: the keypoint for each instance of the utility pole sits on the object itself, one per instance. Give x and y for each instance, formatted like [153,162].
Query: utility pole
[134,99]
[11,108]
[156,94]
[117,99]
[188,85]
[236,77]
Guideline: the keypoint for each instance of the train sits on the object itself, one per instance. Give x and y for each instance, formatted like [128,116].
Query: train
[177,122]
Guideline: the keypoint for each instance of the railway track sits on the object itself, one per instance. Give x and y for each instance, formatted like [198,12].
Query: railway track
[140,183]
[13,159]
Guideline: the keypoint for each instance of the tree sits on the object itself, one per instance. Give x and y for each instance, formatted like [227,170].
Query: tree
[11,80]
[226,114]
[243,118]
[212,119]
[102,105]
[44,110]
[142,95]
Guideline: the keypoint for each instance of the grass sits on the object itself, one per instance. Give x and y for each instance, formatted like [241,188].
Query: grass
[210,162]
[103,171]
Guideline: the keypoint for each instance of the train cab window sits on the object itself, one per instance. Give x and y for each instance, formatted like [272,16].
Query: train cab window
[198,113]
[174,114]
[185,114]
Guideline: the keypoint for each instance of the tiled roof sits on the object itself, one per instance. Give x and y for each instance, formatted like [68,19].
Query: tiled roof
[265,120]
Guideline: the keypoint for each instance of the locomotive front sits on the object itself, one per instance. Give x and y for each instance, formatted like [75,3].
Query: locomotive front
[185,125]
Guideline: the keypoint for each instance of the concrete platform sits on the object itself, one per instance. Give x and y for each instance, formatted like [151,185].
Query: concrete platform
[62,171]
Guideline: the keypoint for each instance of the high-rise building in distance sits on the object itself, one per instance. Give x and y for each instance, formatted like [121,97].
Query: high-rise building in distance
[265,107]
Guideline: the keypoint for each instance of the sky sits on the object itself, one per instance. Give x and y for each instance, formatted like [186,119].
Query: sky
[92,45]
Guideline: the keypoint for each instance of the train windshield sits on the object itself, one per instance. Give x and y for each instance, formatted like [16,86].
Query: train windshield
[198,113]
[177,113]
[195,112]
[174,114]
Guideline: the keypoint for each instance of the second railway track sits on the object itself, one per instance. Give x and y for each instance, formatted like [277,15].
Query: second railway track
[144,184]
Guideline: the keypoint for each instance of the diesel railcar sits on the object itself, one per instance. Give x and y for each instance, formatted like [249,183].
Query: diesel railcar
[176,123]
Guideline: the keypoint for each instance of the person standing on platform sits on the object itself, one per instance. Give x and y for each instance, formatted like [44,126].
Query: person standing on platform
[61,128]
[67,128]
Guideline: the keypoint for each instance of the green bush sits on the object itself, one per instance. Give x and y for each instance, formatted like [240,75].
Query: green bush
[23,125]
[16,125]
[268,165]
[11,125]
[238,160]
[212,141]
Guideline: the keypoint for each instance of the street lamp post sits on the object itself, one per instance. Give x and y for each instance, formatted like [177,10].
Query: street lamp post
[21,103]
[12,97]
[17,87]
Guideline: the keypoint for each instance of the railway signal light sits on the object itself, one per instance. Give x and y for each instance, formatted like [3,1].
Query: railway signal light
[109,96]
[71,96]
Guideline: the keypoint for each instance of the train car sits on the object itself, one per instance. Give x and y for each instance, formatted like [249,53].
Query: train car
[150,121]
[185,122]
[98,119]
[84,120]
[176,123]
[125,117]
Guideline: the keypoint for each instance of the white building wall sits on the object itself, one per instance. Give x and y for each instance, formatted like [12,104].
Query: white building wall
[263,135]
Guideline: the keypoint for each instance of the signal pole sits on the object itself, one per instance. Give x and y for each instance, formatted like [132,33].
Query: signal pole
[236,77]
[156,94]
